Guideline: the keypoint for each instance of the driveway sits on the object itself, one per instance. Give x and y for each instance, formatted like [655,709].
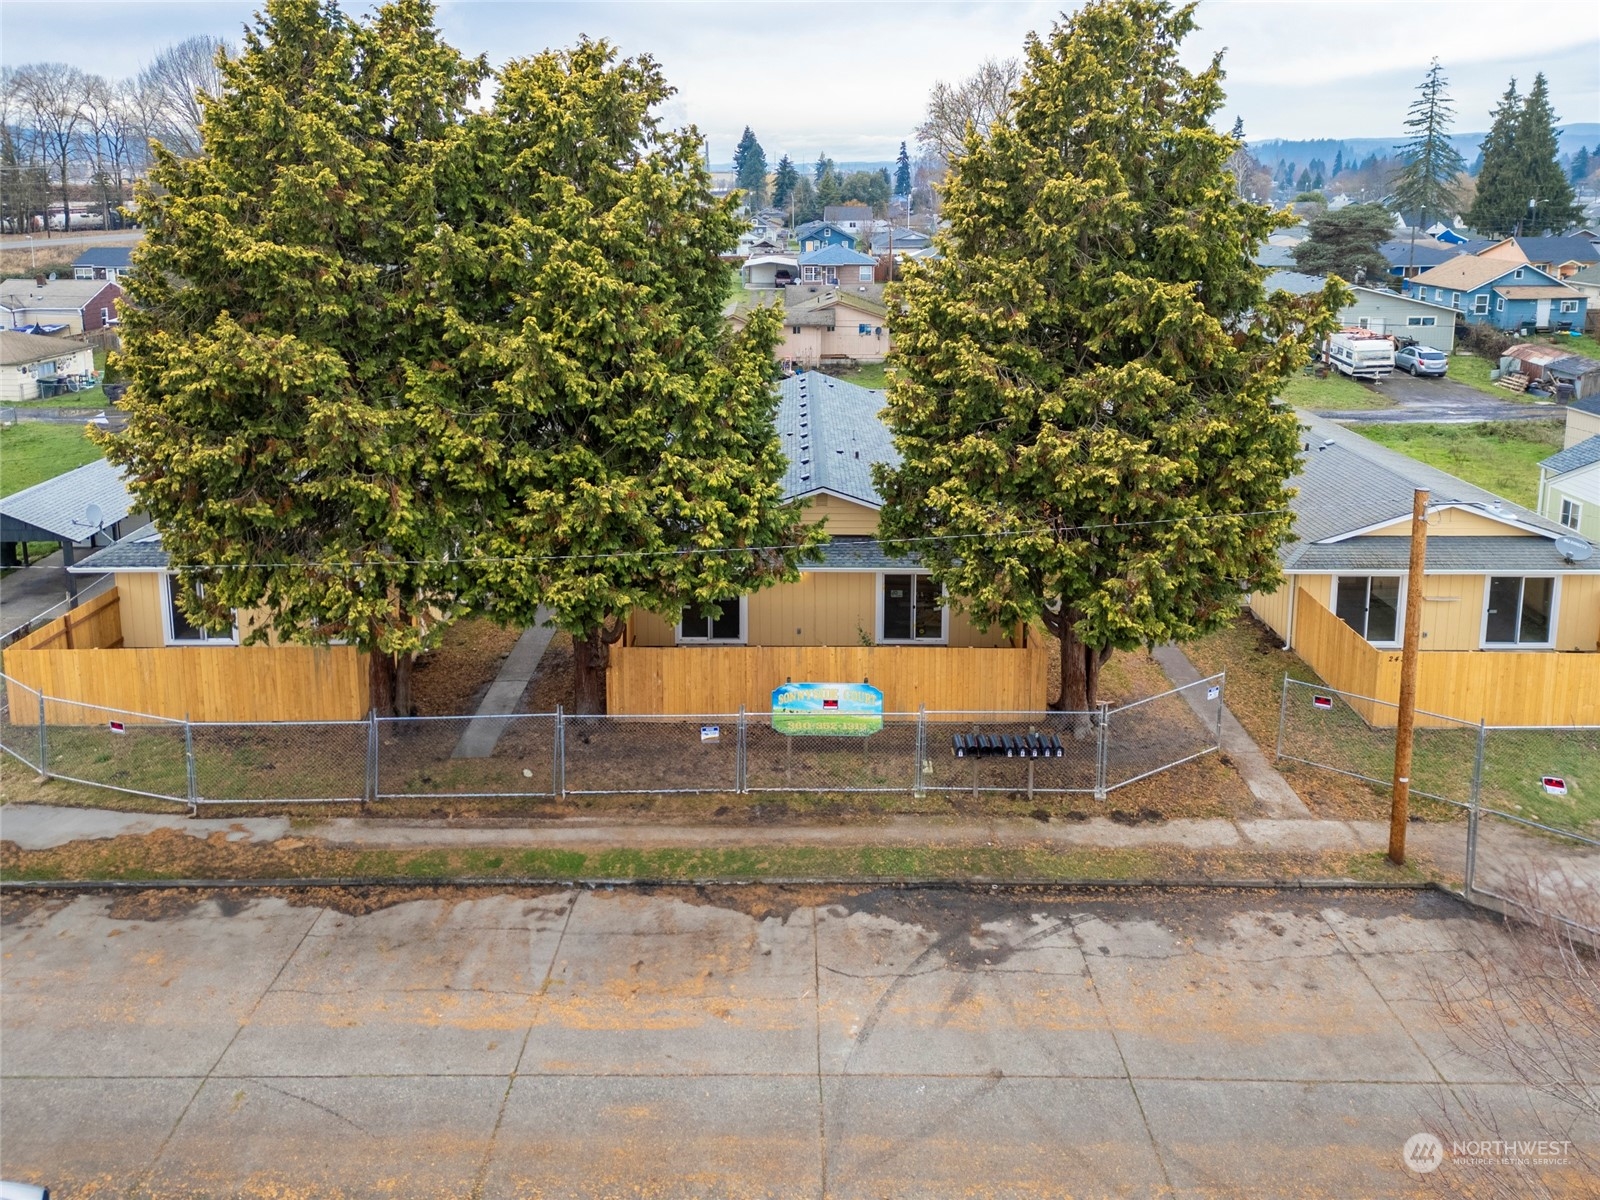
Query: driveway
[746,1041]
[1444,402]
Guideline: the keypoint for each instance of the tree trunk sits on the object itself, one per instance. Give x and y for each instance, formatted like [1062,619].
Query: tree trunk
[403,706]
[1080,672]
[381,682]
[590,653]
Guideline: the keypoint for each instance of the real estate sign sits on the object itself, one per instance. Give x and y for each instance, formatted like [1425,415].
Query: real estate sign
[837,709]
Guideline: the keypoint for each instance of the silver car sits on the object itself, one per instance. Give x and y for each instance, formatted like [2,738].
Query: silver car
[1421,360]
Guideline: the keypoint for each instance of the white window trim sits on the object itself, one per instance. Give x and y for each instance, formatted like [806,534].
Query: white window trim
[1575,507]
[1569,306]
[207,638]
[1518,274]
[1480,304]
[1455,299]
[1400,606]
[944,617]
[1555,615]
[744,630]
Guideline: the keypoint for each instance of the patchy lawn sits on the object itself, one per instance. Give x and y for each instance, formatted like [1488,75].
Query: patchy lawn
[1336,393]
[31,452]
[94,397]
[868,375]
[1502,456]
[452,678]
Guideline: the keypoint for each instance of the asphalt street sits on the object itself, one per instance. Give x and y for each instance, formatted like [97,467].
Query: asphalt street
[738,1042]
[1444,402]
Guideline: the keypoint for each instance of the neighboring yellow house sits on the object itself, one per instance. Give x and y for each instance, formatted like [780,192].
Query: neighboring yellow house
[131,649]
[823,324]
[859,614]
[1510,617]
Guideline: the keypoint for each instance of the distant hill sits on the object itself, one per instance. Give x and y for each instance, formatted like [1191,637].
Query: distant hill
[1270,150]
[804,168]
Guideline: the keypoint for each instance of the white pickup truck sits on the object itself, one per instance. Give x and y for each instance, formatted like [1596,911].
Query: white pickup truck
[1361,354]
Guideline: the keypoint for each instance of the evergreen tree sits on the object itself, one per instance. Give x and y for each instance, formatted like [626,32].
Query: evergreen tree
[1338,164]
[1083,398]
[1580,165]
[1426,186]
[1344,242]
[1500,200]
[283,432]
[1304,182]
[750,170]
[623,452]
[821,167]
[1550,204]
[783,182]
[902,172]
[804,201]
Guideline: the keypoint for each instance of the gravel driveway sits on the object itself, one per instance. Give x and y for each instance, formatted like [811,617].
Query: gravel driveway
[1444,402]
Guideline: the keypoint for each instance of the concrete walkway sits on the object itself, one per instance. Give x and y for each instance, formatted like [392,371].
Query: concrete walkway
[504,696]
[1269,788]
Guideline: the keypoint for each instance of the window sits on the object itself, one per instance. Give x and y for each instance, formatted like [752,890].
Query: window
[864,330]
[1422,320]
[105,316]
[1370,605]
[808,273]
[794,329]
[866,275]
[1518,611]
[1518,274]
[1571,513]
[1480,303]
[726,626]
[1499,304]
[1364,322]
[1455,299]
[909,609]
[1438,293]
[181,631]
[1569,306]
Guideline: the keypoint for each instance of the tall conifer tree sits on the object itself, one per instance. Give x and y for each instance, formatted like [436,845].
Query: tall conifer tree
[1500,200]
[902,172]
[1426,185]
[783,182]
[1085,382]
[750,169]
[1550,204]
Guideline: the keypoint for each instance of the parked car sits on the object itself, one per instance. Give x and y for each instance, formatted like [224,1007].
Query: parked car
[1421,360]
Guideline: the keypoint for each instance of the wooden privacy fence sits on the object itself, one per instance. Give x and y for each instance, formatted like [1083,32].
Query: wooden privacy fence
[80,662]
[721,679]
[1500,687]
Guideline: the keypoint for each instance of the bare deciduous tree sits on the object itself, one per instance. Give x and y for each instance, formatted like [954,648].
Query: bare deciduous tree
[172,87]
[51,97]
[1532,1015]
[977,101]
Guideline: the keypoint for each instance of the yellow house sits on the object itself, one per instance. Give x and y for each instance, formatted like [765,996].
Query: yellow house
[1510,600]
[825,324]
[859,614]
[131,649]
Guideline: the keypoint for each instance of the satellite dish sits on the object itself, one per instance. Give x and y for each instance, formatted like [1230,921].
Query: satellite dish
[52,276]
[93,517]
[1573,549]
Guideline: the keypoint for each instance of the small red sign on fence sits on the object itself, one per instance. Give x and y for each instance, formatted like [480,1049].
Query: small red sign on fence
[1555,785]
[1322,702]
[118,727]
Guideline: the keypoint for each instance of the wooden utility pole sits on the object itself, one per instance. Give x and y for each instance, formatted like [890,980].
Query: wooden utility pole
[1406,718]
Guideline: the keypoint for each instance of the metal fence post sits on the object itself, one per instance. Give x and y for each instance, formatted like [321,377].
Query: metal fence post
[1222,703]
[1283,715]
[1102,746]
[740,778]
[371,793]
[918,784]
[193,794]
[559,783]
[1472,811]
[44,743]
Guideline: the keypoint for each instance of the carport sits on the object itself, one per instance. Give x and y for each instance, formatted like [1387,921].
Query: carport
[84,507]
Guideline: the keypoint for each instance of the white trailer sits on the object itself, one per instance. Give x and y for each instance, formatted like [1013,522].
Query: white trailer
[1361,354]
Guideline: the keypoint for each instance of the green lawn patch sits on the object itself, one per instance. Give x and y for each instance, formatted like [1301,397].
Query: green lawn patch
[1336,393]
[1502,456]
[94,397]
[31,453]
[868,375]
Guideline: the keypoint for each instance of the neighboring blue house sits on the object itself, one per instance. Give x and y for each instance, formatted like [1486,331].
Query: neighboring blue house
[103,262]
[836,264]
[824,233]
[1495,291]
[1407,260]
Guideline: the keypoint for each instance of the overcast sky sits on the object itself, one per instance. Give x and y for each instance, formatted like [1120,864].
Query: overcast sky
[1296,68]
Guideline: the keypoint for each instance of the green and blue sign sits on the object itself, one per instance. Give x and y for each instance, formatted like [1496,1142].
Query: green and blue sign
[837,709]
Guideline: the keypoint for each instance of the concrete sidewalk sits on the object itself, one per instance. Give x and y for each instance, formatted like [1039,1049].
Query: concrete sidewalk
[504,696]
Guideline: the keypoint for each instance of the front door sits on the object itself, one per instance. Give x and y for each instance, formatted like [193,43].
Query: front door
[1542,315]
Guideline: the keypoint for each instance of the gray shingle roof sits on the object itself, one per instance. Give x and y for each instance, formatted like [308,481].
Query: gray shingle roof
[831,434]
[120,257]
[1584,454]
[58,506]
[836,256]
[1445,555]
[63,295]
[139,551]
[1589,404]
[1295,282]
[1427,252]
[862,554]
[1347,483]
[23,349]
[1559,249]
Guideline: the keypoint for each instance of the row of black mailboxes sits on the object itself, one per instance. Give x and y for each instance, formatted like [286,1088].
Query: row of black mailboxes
[1006,745]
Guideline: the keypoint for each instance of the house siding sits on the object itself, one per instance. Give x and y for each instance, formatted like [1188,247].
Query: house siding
[1580,427]
[1390,316]
[845,517]
[1581,487]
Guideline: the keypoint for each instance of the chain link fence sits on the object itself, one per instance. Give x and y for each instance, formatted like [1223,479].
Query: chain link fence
[1530,795]
[543,755]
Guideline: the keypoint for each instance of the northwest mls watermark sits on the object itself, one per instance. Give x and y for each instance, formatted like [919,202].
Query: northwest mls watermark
[1424,1152]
